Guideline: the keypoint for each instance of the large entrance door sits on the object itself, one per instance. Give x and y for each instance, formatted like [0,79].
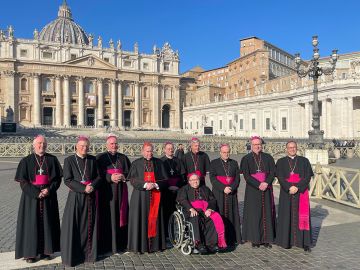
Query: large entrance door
[127,119]
[47,116]
[90,117]
[165,117]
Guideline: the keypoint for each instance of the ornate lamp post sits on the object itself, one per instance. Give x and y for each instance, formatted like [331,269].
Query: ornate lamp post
[316,136]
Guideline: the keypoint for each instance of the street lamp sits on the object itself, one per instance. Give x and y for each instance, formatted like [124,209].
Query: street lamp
[316,136]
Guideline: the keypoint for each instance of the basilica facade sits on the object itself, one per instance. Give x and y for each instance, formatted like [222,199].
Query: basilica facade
[64,77]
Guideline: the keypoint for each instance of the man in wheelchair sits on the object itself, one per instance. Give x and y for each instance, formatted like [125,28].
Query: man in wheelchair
[199,203]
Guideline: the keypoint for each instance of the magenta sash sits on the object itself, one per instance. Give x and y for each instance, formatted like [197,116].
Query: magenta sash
[216,219]
[304,204]
[41,179]
[112,171]
[259,176]
[124,198]
[226,180]
[172,181]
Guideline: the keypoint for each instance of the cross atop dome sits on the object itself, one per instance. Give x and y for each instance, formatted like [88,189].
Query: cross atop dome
[64,11]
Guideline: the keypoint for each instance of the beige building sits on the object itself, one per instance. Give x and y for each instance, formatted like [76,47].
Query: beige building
[64,77]
[262,94]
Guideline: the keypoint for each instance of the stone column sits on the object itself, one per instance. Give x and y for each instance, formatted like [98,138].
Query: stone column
[37,100]
[177,120]
[114,116]
[307,119]
[328,119]
[137,105]
[120,103]
[58,115]
[100,107]
[350,122]
[323,124]
[67,101]
[81,116]
[155,105]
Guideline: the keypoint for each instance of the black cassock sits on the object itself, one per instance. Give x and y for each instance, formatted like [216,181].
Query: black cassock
[38,224]
[138,240]
[79,223]
[198,163]
[176,172]
[288,233]
[113,203]
[227,203]
[204,229]
[179,153]
[259,208]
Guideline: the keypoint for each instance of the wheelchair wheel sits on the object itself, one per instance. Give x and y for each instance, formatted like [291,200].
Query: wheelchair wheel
[186,249]
[176,229]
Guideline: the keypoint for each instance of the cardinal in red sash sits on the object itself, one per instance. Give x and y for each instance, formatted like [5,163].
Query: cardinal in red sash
[146,224]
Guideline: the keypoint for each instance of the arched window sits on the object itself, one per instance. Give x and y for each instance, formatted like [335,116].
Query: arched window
[23,84]
[106,90]
[90,88]
[146,92]
[47,85]
[127,91]
[73,87]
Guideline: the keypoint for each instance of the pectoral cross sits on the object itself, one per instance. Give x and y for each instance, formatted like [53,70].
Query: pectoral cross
[258,171]
[172,171]
[291,173]
[148,177]
[40,171]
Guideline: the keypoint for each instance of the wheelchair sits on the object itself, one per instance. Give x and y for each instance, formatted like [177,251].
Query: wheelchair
[181,232]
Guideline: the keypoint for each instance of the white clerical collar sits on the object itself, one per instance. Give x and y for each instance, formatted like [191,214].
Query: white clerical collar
[292,157]
[225,160]
[80,156]
[169,157]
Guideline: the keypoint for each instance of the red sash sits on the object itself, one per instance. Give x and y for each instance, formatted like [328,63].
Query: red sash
[216,219]
[304,204]
[154,204]
[41,179]
[226,180]
[124,198]
[259,176]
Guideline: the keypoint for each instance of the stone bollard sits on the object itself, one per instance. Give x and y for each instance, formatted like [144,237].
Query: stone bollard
[336,152]
[350,153]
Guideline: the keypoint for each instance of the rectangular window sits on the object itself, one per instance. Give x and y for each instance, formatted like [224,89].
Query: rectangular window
[212,123]
[166,66]
[267,124]
[127,63]
[283,123]
[47,55]
[73,101]
[23,53]
[241,124]
[197,125]
[230,124]
[190,125]
[73,56]
[185,125]
[253,124]
[146,66]
[220,124]
[106,59]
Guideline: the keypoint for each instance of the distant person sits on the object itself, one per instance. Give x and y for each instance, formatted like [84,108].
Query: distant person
[294,224]
[179,153]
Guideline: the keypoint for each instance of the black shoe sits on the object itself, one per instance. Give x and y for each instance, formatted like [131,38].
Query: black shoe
[213,249]
[45,257]
[30,260]
[225,249]
[255,245]
[307,249]
[267,245]
[202,249]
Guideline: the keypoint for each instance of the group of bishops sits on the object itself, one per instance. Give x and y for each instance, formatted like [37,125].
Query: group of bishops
[100,219]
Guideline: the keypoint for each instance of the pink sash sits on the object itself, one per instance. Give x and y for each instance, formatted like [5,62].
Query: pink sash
[85,183]
[172,181]
[226,180]
[304,204]
[41,179]
[260,176]
[216,219]
[124,198]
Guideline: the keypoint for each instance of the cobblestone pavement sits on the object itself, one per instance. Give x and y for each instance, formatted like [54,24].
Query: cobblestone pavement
[336,231]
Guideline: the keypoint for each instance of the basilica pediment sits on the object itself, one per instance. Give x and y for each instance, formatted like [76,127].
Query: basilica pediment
[90,61]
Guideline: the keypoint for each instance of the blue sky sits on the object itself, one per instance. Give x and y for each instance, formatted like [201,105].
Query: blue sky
[206,32]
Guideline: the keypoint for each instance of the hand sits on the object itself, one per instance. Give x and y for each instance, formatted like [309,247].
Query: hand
[89,188]
[45,192]
[208,212]
[227,190]
[173,188]
[293,190]
[115,177]
[193,212]
[150,186]
[122,177]
[263,186]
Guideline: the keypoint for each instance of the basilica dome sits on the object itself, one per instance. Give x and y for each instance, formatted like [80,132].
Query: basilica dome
[64,29]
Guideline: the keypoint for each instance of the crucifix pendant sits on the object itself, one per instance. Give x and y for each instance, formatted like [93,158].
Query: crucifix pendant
[40,171]
[291,173]
[258,170]
[172,172]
